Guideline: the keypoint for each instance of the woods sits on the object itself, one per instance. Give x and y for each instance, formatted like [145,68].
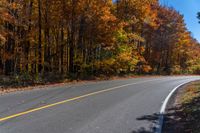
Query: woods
[83,38]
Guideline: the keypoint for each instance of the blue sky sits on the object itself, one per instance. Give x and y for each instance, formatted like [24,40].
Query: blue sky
[189,9]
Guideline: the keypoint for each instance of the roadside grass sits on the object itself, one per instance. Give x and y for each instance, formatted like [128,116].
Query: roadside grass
[190,102]
[184,115]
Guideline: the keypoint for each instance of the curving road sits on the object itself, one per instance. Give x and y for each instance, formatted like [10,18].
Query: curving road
[116,106]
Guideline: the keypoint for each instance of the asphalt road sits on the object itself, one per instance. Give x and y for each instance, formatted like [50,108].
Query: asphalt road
[116,106]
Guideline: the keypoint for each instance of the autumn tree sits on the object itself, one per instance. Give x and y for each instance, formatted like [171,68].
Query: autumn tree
[81,38]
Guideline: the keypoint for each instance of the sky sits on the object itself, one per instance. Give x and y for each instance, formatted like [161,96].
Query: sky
[189,9]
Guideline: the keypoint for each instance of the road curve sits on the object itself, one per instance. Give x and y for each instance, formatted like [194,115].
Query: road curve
[116,106]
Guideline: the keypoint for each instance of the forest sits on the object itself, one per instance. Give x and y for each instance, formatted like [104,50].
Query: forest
[91,38]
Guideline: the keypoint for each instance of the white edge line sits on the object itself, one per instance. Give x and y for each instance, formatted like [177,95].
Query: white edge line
[164,105]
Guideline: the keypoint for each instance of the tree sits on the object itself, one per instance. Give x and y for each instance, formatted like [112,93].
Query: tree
[198,16]
[81,38]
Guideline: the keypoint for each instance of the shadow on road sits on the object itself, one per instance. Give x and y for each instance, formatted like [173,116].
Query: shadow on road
[182,118]
[153,119]
[142,130]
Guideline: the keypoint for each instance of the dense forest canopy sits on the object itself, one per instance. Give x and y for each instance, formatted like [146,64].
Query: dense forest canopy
[81,38]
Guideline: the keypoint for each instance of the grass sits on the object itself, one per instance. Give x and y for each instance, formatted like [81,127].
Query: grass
[184,115]
[190,102]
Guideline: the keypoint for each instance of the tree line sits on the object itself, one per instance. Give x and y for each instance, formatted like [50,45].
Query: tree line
[81,38]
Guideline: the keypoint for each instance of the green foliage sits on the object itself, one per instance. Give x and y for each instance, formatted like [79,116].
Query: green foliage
[105,67]
[121,36]
[125,59]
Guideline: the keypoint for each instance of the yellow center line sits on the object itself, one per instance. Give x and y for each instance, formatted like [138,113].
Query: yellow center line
[65,101]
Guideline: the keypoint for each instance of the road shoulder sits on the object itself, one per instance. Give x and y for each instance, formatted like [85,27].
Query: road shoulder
[183,110]
[14,88]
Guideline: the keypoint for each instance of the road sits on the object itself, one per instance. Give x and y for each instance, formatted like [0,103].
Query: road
[116,106]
